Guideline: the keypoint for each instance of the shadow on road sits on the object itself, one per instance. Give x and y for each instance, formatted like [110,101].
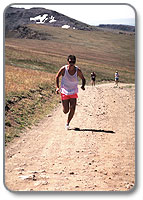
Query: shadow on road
[93,130]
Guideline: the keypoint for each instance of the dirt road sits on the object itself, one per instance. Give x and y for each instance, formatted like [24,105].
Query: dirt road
[99,155]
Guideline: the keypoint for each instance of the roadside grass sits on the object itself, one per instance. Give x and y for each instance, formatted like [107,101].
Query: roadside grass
[25,110]
[29,95]
[31,66]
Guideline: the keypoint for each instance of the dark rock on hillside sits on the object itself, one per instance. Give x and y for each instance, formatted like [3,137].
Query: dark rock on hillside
[27,33]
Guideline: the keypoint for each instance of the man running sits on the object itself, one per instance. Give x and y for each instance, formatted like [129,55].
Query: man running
[93,76]
[116,78]
[69,86]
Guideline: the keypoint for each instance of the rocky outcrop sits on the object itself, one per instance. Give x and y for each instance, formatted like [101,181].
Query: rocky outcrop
[28,33]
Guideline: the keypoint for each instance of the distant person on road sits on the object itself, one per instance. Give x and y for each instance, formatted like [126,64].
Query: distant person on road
[116,78]
[69,86]
[93,77]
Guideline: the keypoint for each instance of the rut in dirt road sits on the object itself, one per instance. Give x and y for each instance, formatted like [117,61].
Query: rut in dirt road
[96,154]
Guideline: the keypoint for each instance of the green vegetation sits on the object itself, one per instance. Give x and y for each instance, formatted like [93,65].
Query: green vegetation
[27,108]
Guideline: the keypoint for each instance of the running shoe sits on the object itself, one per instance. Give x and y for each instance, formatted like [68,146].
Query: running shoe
[67,127]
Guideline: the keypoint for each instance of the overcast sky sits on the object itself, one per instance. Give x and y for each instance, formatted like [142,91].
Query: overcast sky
[94,14]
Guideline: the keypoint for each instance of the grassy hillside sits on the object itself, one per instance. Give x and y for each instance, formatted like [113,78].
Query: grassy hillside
[31,66]
[95,51]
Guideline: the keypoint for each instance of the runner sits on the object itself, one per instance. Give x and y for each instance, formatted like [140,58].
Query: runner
[93,76]
[69,86]
[116,78]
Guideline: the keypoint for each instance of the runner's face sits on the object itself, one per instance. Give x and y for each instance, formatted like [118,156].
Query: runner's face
[71,63]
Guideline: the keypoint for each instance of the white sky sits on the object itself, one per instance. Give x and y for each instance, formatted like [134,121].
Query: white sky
[94,14]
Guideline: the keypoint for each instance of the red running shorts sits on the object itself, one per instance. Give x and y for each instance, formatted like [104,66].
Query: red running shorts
[72,96]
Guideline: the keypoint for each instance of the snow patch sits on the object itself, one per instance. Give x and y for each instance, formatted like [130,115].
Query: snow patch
[66,26]
[52,19]
[40,19]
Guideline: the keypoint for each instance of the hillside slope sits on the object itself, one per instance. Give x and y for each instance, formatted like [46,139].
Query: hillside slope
[95,51]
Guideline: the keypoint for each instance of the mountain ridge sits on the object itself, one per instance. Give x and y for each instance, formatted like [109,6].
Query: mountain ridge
[15,17]
[122,27]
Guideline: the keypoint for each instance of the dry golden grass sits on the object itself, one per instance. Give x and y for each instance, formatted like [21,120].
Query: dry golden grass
[20,79]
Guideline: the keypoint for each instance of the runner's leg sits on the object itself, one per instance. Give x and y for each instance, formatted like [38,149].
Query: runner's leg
[72,109]
[92,82]
[65,104]
[117,82]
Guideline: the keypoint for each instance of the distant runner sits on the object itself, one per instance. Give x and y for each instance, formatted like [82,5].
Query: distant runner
[69,86]
[93,77]
[116,78]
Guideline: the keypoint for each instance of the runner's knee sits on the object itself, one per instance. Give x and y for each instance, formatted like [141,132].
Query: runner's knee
[65,110]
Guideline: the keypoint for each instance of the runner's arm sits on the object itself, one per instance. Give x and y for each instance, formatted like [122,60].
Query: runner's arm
[80,74]
[60,72]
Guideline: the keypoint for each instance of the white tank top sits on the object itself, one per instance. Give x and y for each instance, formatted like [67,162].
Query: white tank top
[69,83]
